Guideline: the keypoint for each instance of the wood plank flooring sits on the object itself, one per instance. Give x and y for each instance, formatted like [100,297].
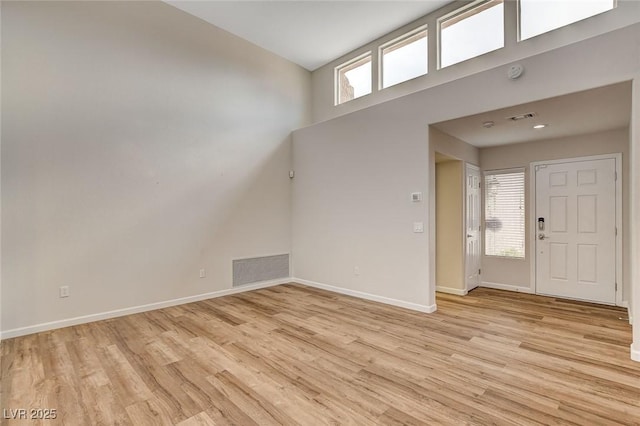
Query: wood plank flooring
[297,355]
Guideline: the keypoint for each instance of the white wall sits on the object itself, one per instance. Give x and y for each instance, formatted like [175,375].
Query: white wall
[354,173]
[626,13]
[0,178]
[139,145]
[635,222]
[516,273]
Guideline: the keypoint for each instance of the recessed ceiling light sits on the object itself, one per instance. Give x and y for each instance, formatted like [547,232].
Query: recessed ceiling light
[540,126]
[488,124]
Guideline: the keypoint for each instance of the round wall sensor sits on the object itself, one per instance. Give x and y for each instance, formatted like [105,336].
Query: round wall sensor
[515,71]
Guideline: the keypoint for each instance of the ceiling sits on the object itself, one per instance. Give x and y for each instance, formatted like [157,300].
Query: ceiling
[591,111]
[306,32]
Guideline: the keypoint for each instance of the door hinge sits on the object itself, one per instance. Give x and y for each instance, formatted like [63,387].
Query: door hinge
[615,176]
[479,271]
[616,286]
[616,231]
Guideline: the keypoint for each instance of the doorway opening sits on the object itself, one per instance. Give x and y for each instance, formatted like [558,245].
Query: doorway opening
[449,218]
[585,124]
[458,225]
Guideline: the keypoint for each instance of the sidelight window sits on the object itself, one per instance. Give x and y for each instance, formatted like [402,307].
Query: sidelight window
[504,213]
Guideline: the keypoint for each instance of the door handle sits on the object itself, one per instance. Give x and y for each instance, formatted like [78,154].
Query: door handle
[542,237]
[469,236]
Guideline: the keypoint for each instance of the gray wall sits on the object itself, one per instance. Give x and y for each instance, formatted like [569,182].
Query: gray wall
[139,144]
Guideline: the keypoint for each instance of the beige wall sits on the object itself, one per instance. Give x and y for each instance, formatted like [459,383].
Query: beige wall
[449,225]
[139,144]
[515,272]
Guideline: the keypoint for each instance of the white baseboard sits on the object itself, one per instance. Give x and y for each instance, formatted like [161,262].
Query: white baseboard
[450,290]
[507,287]
[625,304]
[386,300]
[635,352]
[22,331]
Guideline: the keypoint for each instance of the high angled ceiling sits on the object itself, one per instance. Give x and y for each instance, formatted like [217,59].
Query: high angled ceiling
[309,33]
[600,109]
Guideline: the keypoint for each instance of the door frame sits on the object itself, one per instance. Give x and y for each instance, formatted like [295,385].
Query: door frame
[468,165]
[618,216]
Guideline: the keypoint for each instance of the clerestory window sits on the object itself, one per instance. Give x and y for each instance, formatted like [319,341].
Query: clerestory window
[353,79]
[404,58]
[538,17]
[471,31]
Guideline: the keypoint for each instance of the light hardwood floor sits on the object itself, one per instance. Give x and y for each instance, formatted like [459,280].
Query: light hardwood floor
[297,355]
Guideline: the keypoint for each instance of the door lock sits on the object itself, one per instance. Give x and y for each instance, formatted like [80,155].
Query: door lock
[541,224]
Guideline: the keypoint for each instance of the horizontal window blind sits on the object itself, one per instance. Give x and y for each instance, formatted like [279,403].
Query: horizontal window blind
[504,213]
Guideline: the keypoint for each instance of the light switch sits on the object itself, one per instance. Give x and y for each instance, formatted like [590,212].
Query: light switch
[416,197]
[418,227]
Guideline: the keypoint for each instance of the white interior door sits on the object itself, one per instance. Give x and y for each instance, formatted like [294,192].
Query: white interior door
[472,220]
[576,243]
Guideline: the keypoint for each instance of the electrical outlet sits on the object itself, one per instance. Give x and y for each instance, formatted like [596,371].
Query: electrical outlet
[64,291]
[203,273]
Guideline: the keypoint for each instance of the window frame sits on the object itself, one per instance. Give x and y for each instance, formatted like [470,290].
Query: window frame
[485,173]
[397,43]
[346,67]
[461,14]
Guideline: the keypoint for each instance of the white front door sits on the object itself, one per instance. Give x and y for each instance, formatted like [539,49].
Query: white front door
[472,227]
[576,230]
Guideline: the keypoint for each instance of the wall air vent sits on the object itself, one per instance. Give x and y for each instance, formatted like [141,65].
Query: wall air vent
[254,270]
[522,116]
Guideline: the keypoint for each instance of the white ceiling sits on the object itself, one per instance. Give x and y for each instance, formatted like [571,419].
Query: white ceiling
[306,32]
[591,111]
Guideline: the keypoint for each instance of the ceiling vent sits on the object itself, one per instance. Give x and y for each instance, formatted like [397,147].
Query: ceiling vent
[522,116]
